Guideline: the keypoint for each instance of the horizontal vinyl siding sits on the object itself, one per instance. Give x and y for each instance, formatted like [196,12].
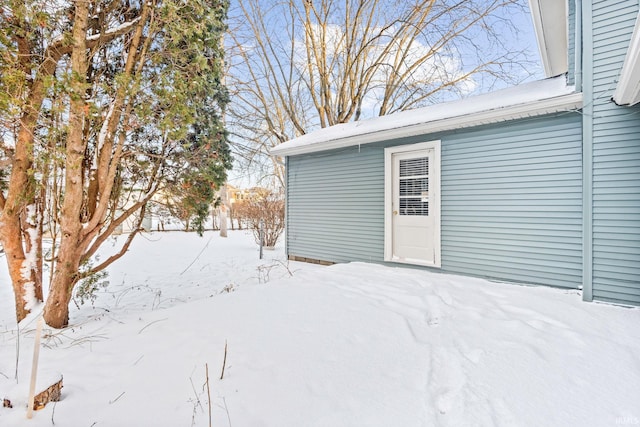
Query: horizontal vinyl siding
[616,161]
[336,205]
[572,46]
[511,202]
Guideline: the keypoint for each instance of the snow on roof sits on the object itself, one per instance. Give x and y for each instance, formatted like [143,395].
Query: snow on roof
[526,100]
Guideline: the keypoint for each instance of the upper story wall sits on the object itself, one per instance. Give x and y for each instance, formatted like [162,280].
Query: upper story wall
[571,47]
[613,145]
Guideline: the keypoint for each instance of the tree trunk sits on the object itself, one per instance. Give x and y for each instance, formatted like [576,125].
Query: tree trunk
[56,311]
[92,194]
[25,278]
[223,220]
[213,220]
[223,211]
[14,252]
[38,272]
[20,191]
[19,195]
[11,233]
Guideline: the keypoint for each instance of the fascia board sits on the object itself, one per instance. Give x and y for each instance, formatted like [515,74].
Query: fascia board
[550,24]
[628,88]
[511,112]
[536,17]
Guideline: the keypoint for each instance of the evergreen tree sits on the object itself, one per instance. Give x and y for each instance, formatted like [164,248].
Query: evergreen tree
[103,104]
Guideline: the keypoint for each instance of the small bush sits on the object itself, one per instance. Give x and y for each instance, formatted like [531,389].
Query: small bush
[270,210]
[87,289]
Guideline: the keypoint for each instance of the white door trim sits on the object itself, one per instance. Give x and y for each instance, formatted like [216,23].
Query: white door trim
[388,199]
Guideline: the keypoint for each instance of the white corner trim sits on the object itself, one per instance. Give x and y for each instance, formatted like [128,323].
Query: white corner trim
[388,202]
[556,104]
[550,23]
[438,202]
[628,88]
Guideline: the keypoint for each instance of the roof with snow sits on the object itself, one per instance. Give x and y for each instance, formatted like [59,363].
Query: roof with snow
[527,100]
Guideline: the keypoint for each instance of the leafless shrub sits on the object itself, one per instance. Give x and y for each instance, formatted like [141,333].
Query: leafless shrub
[269,210]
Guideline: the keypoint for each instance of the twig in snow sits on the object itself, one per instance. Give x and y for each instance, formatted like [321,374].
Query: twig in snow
[224,361]
[17,351]
[195,404]
[206,367]
[149,324]
[286,266]
[116,399]
[56,338]
[198,256]
[88,339]
[53,412]
[265,270]
[226,410]
[119,295]
[156,299]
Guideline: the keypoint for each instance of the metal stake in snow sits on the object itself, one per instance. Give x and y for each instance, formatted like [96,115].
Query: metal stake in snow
[261,236]
[34,367]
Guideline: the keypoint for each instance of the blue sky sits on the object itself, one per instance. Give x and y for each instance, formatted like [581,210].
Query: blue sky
[523,39]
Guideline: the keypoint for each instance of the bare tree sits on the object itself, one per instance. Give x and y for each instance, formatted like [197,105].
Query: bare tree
[296,66]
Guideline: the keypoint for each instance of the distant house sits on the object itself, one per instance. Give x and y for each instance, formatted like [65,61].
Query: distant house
[536,184]
[236,195]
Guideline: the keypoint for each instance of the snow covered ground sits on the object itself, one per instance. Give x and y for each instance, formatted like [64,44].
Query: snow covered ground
[346,345]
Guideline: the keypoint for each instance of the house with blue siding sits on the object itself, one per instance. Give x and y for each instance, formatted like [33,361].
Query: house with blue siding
[535,184]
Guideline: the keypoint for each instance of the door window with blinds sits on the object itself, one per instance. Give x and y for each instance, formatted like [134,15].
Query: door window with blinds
[413,183]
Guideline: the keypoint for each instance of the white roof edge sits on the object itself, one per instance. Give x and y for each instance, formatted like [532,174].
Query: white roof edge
[550,24]
[468,112]
[628,88]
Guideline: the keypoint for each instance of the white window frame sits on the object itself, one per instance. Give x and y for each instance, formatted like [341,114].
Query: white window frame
[388,199]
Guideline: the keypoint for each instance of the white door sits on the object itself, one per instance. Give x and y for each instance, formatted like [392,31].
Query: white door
[414,220]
